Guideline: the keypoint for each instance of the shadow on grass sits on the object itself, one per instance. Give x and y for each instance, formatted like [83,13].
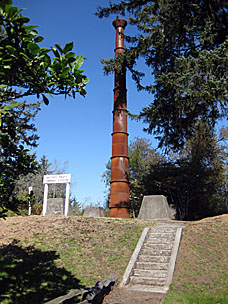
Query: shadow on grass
[29,275]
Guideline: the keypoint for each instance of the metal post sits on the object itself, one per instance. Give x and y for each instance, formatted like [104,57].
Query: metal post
[67,199]
[119,196]
[45,199]
[30,207]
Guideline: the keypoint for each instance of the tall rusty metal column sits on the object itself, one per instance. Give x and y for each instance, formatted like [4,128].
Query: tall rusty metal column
[119,196]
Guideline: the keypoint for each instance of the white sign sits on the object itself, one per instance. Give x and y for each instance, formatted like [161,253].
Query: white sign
[57,179]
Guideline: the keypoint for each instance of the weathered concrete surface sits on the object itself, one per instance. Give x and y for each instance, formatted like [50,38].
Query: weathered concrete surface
[93,211]
[155,207]
[55,206]
[154,265]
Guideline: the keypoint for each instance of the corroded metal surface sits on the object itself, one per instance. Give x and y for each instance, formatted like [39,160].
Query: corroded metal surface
[119,196]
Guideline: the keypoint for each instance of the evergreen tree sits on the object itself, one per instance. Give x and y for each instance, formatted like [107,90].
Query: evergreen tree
[185,45]
[141,157]
[194,180]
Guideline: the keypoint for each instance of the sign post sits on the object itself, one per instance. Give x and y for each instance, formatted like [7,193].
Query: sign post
[30,208]
[57,179]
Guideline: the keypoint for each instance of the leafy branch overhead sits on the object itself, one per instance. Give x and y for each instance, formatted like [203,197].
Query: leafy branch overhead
[27,69]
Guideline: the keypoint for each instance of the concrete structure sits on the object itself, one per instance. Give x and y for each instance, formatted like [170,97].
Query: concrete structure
[155,207]
[152,264]
[92,211]
[55,206]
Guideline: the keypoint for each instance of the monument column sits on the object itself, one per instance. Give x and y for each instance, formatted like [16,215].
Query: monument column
[119,196]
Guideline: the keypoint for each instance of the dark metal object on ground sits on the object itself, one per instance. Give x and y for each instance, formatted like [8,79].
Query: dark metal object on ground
[94,295]
[119,196]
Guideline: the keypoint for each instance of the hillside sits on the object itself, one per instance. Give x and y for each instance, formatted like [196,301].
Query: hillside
[43,257]
[201,272]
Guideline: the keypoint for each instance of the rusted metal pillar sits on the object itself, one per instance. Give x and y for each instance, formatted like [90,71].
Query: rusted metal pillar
[119,196]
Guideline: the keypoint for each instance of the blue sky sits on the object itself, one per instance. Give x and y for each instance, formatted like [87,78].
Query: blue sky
[79,130]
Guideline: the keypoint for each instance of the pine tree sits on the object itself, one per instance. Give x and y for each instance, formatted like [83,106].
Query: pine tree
[185,45]
[194,180]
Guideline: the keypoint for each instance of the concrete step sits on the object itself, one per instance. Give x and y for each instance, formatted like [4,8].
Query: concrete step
[151,246]
[152,266]
[161,235]
[165,237]
[147,281]
[155,252]
[150,273]
[163,230]
[158,240]
[155,259]
[147,288]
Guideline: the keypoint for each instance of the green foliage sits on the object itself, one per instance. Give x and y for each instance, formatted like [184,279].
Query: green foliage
[16,132]
[31,68]
[185,45]
[195,180]
[26,69]
[35,180]
[141,156]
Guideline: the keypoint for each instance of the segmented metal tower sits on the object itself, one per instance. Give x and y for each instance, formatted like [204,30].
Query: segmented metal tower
[119,196]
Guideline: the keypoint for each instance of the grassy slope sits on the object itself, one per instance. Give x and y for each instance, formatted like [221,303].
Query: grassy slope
[44,257]
[48,256]
[201,273]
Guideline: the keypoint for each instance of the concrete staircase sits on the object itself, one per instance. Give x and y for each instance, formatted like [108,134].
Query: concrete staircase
[152,264]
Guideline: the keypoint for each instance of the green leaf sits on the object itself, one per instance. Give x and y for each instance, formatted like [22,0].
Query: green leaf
[51,83]
[39,39]
[33,33]
[11,49]
[59,48]
[12,11]
[9,107]
[70,55]
[78,62]
[85,80]
[68,47]
[30,27]
[56,66]
[24,19]
[33,48]
[71,59]
[56,53]
[45,100]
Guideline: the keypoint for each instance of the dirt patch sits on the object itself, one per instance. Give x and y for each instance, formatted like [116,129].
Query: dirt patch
[22,227]
[124,296]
